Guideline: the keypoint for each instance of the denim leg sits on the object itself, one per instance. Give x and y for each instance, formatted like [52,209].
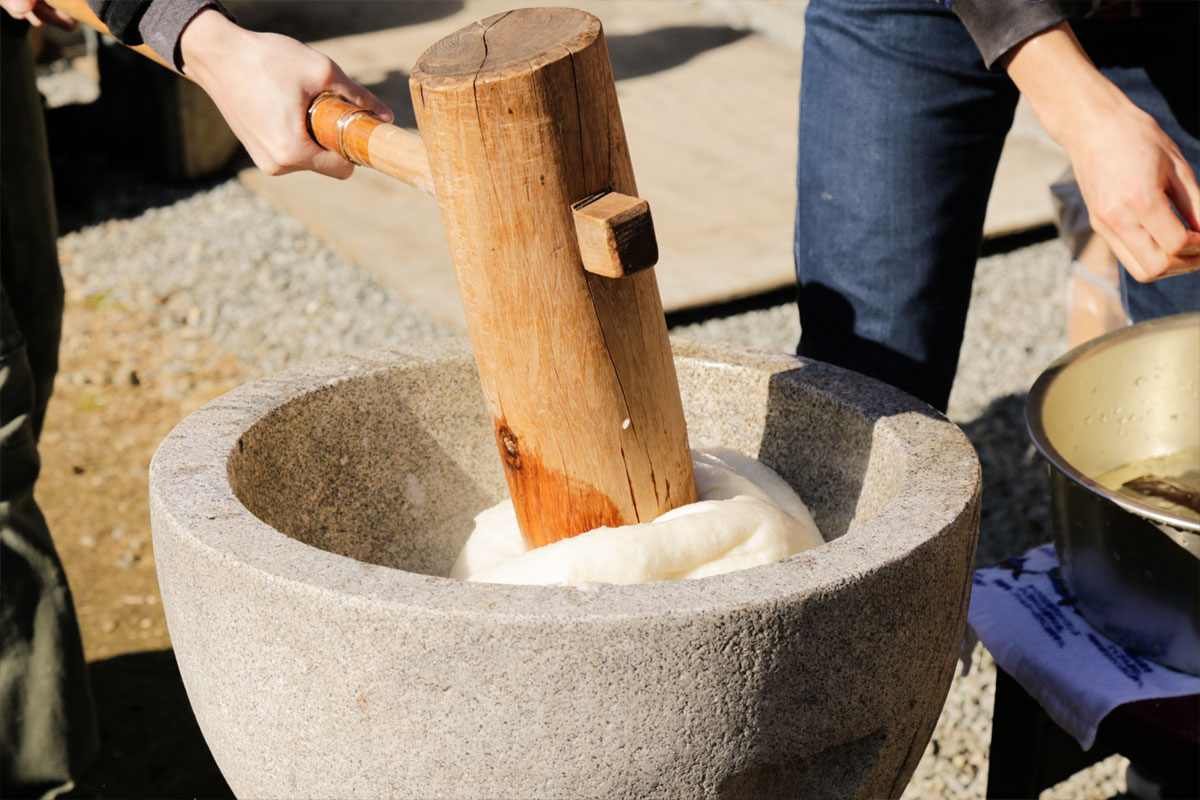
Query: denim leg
[1155,62]
[901,128]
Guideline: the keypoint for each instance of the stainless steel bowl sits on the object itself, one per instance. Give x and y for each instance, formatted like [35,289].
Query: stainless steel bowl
[1133,568]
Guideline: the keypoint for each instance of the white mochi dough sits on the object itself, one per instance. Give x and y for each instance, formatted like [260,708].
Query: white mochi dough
[746,515]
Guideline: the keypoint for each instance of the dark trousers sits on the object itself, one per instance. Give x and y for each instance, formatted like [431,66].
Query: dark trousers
[901,128]
[47,723]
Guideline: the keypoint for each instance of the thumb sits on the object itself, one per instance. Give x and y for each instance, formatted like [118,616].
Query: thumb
[356,94]
[1185,195]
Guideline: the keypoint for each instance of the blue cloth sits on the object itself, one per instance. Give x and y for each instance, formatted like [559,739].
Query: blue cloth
[1022,613]
[901,128]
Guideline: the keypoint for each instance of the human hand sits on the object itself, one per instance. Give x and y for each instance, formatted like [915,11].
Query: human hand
[263,84]
[38,13]
[1129,171]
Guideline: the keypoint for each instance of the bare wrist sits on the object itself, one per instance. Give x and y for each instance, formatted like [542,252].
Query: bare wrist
[209,36]
[1063,87]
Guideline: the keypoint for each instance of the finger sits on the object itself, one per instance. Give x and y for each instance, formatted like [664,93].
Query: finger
[1169,233]
[1139,252]
[17,9]
[1185,194]
[329,163]
[1182,268]
[1147,261]
[358,95]
[1119,242]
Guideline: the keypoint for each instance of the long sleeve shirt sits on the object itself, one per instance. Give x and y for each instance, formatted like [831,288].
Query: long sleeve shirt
[997,26]
[157,23]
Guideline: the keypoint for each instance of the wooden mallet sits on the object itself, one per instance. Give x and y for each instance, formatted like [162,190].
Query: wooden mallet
[522,145]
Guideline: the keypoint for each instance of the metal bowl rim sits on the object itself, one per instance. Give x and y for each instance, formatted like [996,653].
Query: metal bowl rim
[1037,399]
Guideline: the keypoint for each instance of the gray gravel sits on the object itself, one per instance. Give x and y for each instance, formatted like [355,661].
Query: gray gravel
[225,265]
[61,84]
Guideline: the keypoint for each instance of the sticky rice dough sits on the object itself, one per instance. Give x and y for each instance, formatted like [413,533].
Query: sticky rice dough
[746,515]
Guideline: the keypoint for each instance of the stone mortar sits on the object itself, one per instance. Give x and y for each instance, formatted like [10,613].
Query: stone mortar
[303,524]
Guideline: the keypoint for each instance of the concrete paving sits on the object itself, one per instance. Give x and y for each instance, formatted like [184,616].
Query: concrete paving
[710,110]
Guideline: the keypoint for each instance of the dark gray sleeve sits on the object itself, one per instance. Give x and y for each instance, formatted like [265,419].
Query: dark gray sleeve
[157,23]
[999,25]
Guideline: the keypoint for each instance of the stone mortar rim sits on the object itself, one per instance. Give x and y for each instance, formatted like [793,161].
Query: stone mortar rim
[194,454]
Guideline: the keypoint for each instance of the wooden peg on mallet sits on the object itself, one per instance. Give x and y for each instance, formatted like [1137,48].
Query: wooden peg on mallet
[520,121]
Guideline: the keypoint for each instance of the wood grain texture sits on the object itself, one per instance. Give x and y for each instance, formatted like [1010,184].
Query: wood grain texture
[520,119]
[616,235]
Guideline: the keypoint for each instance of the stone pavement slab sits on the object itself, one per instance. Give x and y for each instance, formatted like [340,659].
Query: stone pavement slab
[710,112]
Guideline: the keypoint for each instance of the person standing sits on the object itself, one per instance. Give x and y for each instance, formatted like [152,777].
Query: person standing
[263,84]
[904,107]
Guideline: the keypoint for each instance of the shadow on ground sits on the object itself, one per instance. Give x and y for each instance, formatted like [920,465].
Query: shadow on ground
[1015,513]
[312,20]
[638,54]
[106,168]
[150,744]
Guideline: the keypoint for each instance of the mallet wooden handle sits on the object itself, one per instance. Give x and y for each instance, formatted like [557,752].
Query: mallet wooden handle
[362,138]
[614,231]
[355,134]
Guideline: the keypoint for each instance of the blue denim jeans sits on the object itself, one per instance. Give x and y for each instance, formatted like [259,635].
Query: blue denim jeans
[901,128]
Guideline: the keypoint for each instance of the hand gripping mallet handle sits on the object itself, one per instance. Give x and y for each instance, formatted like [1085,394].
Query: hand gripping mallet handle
[334,123]
[362,138]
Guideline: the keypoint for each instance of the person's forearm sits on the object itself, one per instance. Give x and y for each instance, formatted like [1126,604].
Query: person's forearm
[1063,87]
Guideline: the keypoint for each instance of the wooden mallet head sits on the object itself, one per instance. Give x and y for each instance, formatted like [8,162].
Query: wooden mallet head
[530,165]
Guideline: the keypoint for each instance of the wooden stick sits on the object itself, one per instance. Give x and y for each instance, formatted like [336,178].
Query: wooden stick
[1171,489]
[520,119]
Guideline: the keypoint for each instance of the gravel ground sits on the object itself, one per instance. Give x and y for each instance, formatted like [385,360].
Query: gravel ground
[228,269]
[226,264]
